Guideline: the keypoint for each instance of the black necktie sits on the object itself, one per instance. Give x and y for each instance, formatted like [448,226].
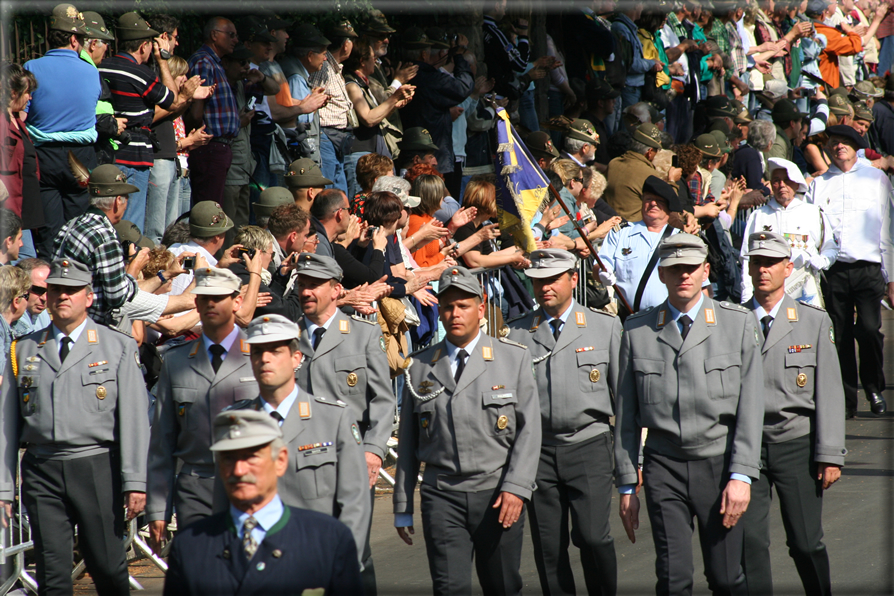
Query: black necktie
[277,416]
[318,335]
[65,349]
[765,325]
[686,322]
[556,325]
[460,364]
[217,352]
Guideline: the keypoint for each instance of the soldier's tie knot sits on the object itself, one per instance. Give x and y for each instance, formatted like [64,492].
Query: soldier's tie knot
[766,323]
[65,348]
[217,352]
[318,335]
[686,322]
[461,356]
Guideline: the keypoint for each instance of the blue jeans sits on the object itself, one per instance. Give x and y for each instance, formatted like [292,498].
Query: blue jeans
[136,204]
[333,168]
[526,112]
[351,160]
[162,198]
[27,251]
[886,55]
[629,96]
[185,195]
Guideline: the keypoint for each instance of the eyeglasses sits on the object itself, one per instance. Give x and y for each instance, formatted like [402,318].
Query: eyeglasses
[24,296]
[578,180]
[37,290]
[231,34]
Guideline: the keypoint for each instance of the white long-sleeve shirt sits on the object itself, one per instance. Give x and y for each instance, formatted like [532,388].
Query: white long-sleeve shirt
[858,205]
[805,227]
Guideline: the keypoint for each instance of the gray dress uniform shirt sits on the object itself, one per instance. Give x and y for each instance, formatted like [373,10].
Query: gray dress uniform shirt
[802,380]
[327,469]
[578,379]
[350,364]
[93,402]
[478,434]
[699,398]
[189,395]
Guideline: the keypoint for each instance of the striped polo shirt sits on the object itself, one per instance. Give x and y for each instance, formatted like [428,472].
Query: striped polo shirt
[135,93]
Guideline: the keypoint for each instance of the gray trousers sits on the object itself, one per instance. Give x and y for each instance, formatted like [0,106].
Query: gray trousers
[193,499]
[368,575]
[788,466]
[575,481]
[59,494]
[676,493]
[457,525]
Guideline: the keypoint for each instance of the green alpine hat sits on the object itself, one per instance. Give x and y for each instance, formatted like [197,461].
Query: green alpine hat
[66,18]
[415,38]
[376,24]
[132,26]
[307,36]
[583,130]
[649,135]
[417,139]
[207,219]
[438,37]
[96,26]
[270,199]
[838,105]
[305,173]
[707,144]
[343,28]
[109,181]
[540,144]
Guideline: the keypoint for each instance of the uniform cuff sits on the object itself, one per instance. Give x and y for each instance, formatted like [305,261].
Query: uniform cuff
[375,450]
[523,492]
[741,477]
[133,486]
[403,520]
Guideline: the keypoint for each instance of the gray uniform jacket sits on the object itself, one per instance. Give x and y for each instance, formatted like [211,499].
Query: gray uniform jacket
[577,381]
[699,398]
[327,469]
[479,434]
[189,395]
[93,402]
[802,378]
[350,364]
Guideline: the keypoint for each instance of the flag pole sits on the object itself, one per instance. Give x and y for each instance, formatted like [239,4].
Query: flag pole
[589,245]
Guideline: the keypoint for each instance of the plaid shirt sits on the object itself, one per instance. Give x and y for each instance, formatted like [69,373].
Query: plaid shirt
[221,116]
[91,239]
[737,50]
[676,26]
[695,189]
[717,32]
[335,113]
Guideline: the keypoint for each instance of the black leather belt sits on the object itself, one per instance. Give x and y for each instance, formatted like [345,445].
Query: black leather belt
[223,140]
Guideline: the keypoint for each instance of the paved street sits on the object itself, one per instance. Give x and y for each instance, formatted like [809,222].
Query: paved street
[858,520]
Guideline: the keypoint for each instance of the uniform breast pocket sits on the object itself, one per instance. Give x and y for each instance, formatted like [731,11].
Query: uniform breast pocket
[723,374]
[591,370]
[648,379]
[800,372]
[185,399]
[246,388]
[426,417]
[350,374]
[625,264]
[499,411]
[100,390]
[317,472]
[29,402]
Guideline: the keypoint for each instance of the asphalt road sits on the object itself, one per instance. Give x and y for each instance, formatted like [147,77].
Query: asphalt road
[858,519]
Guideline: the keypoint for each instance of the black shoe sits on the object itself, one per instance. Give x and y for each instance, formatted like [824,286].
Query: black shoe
[877,403]
[850,413]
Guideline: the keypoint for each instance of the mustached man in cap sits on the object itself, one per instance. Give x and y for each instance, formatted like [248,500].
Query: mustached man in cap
[63,117]
[470,412]
[74,394]
[345,359]
[803,438]
[691,374]
[575,350]
[329,470]
[863,274]
[197,381]
[260,544]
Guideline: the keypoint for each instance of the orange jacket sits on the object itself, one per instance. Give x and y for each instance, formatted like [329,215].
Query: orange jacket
[837,44]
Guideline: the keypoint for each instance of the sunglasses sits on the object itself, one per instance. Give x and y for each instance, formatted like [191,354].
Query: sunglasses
[578,180]
[37,291]
[231,34]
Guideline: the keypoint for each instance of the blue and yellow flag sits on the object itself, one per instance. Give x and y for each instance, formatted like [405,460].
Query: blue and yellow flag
[522,188]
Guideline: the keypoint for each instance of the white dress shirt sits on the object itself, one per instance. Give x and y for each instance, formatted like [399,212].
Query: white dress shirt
[227,343]
[182,281]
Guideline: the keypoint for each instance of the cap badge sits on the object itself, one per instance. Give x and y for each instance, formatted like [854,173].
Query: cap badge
[65,263]
[266,319]
[71,12]
[425,132]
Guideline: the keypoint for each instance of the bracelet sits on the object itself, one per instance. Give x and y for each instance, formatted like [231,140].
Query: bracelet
[254,273]
[161,277]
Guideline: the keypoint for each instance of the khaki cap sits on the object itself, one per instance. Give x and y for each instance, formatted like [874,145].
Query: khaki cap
[461,279]
[305,173]
[707,144]
[128,231]
[270,199]
[583,130]
[838,104]
[867,89]
[547,262]
[768,244]
[862,112]
[540,144]
[271,328]
[70,273]
[96,26]
[648,134]
[241,429]
[318,266]
[108,180]
[207,219]
[214,281]
[66,18]
[682,249]
[132,26]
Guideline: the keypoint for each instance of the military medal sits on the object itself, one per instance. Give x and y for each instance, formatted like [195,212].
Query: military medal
[101,392]
[425,387]
[797,349]
[26,382]
[356,432]
[502,422]
[352,379]
[594,375]
[801,380]
[585,349]
[504,331]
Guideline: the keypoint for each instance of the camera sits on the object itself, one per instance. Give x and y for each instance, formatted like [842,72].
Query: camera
[248,251]
[125,248]
[189,263]
[371,231]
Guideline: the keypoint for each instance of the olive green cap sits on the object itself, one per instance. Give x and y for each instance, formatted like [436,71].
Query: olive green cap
[207,219]
[270,199]
[583,130]
[867,89]
[128,231]
[305,173]
[415,39]
[132,26]
[743,116]
[96,26]
[66,18]
[343,28]
[417,139]
[108,180]
[648,134]
[707,144]
[722,141]
[838,105]
[540,144]
[862,112]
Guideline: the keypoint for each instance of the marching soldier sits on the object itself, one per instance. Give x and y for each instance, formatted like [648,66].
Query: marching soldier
[74,394]
[328,469]
[345,359]
[470,413]
[803,444]
[197,381]
[575,353]
[691,375]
